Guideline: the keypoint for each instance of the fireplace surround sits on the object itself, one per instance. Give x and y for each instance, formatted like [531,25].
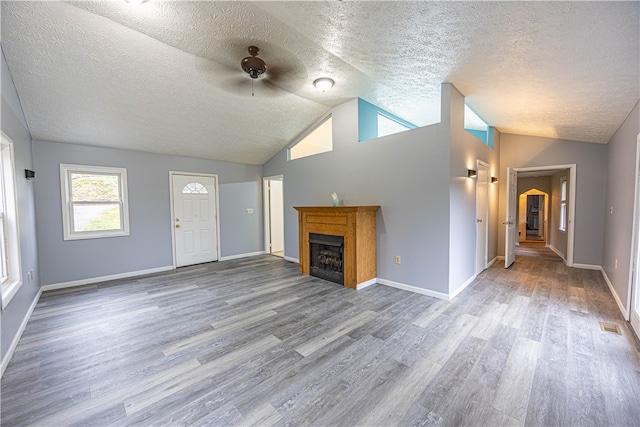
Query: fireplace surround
[356,225]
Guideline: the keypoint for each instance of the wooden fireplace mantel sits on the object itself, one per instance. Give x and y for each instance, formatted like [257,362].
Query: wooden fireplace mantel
[356,224]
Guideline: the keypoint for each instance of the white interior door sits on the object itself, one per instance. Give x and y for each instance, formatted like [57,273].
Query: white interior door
[510,223]
[482,217]
[194,219]
[276,215]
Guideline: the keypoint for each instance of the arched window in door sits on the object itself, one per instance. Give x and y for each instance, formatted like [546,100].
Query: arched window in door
[194,188]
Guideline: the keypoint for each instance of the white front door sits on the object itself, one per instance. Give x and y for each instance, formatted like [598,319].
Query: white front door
[510,223]
[194,219]
[482,216]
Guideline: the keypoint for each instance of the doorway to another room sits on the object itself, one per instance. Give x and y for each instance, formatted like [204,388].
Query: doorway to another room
[274,215]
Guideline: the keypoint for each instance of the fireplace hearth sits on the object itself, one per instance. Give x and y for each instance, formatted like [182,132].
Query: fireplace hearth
[326,257]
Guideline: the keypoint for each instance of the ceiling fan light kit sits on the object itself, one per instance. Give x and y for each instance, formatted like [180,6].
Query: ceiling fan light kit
[253,65]
[323,84]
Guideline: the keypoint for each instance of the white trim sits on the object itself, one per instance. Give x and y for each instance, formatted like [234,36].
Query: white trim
[623,310]
[413,289]
[237,256]
[217,200]
[571,213]
[461,288]
[366,284]
[66,202]
[480,163]
[12,284]
[557,252]
[497,258]
[266,208]
[92,280]
[500,258]
[633,262]
[16,338]
[291,259]
[587,266]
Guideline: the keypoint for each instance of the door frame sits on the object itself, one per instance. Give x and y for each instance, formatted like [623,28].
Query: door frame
[485,165]
[267,211]
[217,213]
[571,207]
[633,293]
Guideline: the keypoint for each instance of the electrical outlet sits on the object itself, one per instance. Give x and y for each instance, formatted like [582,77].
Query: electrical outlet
[397,259]
[611,210]
[30,275]
[249,210]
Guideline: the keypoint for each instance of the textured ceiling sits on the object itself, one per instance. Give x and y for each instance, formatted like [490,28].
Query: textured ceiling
[165,77]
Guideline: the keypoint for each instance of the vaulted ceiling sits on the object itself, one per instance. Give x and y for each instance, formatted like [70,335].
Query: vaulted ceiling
[165,77]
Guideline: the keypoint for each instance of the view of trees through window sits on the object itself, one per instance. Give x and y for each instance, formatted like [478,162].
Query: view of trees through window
[96,202]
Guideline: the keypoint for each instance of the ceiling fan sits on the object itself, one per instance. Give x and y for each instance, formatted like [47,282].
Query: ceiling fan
[271,80]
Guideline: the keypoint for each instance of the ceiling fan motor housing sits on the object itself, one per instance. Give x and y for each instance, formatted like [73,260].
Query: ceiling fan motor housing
[253,65]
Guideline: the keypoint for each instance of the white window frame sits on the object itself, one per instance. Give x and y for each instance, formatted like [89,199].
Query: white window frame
[310,130]
[12,282]
[67,206]
[563,205]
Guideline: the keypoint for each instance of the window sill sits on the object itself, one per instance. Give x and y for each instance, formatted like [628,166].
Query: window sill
[9,289]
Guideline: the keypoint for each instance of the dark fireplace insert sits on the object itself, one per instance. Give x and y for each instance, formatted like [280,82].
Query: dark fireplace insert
[326,255]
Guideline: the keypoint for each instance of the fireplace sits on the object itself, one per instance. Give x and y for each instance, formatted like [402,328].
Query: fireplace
[355,226]
[326,257]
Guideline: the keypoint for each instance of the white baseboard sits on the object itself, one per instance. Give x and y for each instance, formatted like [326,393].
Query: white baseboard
[230,257]
[493,261]
[588,267]
[367,283]
[92,280]
[461,288]
[557,252]
[16,338]
[622,307]
[291,259]
[500,257]
[414,289]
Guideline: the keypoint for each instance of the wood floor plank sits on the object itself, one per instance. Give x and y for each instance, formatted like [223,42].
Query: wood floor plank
[252,342]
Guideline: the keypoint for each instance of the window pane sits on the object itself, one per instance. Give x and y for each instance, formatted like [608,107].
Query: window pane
[96,217]
[194,188]
[320,140]
[387,126]
[563,190]
[90,187]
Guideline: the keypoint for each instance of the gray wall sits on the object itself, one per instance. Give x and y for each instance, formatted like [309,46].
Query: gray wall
[418,178]
[15,127]
[542,183]
[407,174]
[558,238]
[591,160]
[465,151]
[149,245]
[618,227]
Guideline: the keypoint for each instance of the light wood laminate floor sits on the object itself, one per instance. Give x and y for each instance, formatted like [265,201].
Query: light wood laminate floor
[252,342]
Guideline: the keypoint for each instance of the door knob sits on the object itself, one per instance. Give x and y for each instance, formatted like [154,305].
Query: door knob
[177,225]
[478,220]
[177,219]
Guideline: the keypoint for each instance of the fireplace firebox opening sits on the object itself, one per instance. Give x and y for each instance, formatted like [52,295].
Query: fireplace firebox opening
[326,257]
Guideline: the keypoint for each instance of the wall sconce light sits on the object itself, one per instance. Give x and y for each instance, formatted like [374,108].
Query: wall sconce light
[323,84]
[29,174]
[494,179]
[471,173]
